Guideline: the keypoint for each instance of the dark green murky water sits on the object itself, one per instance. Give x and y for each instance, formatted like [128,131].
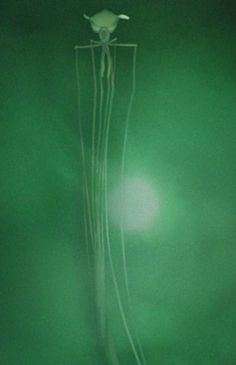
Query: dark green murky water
[181,139]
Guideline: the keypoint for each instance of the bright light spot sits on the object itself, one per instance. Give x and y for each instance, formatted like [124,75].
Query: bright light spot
[135,206]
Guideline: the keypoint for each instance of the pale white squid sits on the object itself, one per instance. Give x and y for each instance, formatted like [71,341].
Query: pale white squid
[104,24]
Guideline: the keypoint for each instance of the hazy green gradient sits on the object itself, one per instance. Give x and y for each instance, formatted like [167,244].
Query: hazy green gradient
[182,138]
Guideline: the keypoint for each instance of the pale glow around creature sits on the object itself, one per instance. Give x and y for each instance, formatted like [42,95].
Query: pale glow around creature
[135,206]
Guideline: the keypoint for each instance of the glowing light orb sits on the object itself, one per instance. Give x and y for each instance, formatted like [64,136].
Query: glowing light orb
[135,205]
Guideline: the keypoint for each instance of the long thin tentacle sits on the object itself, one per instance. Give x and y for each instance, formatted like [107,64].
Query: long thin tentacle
[101,190]
[93,152]
[87,202]
[123,155]
[124,148]
[107,231]
[99,260]
[97,223]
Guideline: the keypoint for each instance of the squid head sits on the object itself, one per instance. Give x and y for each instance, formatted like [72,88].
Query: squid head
[104,23]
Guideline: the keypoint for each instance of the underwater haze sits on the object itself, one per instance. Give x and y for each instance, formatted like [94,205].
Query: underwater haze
[180,192]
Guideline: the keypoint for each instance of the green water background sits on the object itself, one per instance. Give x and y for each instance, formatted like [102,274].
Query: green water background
[182,137]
